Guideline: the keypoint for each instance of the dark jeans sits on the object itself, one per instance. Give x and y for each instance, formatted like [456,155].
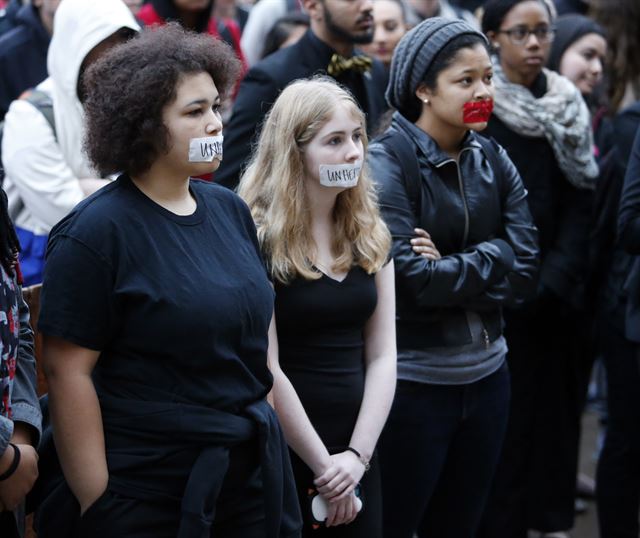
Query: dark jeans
[618,478]
[549,363]
[437,454]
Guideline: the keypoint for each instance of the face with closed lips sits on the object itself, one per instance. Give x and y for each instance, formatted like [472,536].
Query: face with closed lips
[347,21]
[582,62]
[522,63]
[389,28]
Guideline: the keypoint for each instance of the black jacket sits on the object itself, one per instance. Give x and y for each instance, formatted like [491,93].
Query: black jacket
[478,219]
[23,56]
[629,232]
[264,82]
[561,212]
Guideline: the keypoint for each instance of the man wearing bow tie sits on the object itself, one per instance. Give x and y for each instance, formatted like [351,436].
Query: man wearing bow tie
[337,26]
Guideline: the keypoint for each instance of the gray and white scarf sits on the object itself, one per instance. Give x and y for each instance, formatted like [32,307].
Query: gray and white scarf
[560,115]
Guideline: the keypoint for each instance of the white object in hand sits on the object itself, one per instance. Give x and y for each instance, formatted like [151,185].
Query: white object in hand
[320,507]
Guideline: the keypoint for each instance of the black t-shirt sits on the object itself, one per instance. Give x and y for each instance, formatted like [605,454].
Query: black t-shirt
[177,305]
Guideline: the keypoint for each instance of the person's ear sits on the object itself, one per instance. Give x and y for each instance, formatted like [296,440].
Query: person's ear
[424,94]
[493,39]
[313,8]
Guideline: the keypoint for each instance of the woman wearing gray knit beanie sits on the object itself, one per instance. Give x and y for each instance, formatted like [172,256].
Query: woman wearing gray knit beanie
[464,245]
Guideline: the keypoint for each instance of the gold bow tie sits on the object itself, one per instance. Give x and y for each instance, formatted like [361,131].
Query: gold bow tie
[340,64]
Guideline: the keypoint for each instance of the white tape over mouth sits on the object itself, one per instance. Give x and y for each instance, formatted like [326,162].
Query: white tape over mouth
[340,175]
[205,149]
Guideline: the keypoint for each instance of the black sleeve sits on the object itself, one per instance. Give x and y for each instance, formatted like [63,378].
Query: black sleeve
[629,214]
[257,93]
[449,281]
[519,284]
[78,302]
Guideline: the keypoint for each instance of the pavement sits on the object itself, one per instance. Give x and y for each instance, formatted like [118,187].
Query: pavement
[587,523]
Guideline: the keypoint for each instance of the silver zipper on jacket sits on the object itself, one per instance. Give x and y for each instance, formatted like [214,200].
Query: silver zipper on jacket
[464,201]
[465,235]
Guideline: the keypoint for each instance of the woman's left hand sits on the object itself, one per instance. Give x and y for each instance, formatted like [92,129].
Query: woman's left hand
[342,512]
[339,480]
[423,245]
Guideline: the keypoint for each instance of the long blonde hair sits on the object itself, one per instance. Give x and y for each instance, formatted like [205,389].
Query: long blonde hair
[274,188]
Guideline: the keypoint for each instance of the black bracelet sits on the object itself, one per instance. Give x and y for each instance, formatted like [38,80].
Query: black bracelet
[14,464]
[364,462]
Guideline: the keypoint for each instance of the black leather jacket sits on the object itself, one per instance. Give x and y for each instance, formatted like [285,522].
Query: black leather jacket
[480,222]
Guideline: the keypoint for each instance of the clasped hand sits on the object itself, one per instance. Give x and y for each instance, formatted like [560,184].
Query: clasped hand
[341,478]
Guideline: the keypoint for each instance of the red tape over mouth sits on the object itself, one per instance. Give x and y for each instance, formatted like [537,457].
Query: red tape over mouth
[477,111]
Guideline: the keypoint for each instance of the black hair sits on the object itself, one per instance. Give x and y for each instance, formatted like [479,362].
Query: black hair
[495,11]
[281,30]
[130,85]
[169,12]
[447,55]
[9,244]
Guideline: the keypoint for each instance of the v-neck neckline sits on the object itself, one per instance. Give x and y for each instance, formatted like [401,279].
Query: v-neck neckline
[330,278]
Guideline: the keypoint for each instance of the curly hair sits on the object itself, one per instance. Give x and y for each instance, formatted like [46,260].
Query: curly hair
[621,21]
[274,188]
[129,87]
[9,243]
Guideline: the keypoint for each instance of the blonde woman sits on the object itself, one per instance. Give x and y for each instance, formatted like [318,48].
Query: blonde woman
[332,339]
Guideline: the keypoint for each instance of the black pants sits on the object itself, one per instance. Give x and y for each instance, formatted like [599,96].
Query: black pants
[549,361]
[8,525]
[438,452]
[618,478]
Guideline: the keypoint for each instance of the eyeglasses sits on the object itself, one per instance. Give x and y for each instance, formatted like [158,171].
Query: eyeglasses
[520,34]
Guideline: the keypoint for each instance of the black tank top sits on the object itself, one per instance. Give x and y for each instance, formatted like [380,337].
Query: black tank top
[320,338]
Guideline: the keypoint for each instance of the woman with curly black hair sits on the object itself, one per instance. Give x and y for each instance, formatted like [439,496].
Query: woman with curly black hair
[155,311]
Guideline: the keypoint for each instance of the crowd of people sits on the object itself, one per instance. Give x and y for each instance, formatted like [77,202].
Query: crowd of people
[317,267]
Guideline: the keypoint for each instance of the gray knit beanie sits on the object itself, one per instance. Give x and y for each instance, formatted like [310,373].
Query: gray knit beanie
[413,57]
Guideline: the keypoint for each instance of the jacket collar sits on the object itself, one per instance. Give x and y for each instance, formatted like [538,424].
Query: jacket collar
[321,50]
[427,145]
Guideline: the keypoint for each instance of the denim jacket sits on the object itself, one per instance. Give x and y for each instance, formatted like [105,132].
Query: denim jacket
[18,398]
[18,389]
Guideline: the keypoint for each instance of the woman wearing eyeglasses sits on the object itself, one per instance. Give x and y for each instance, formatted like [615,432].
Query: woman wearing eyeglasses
[543,123]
